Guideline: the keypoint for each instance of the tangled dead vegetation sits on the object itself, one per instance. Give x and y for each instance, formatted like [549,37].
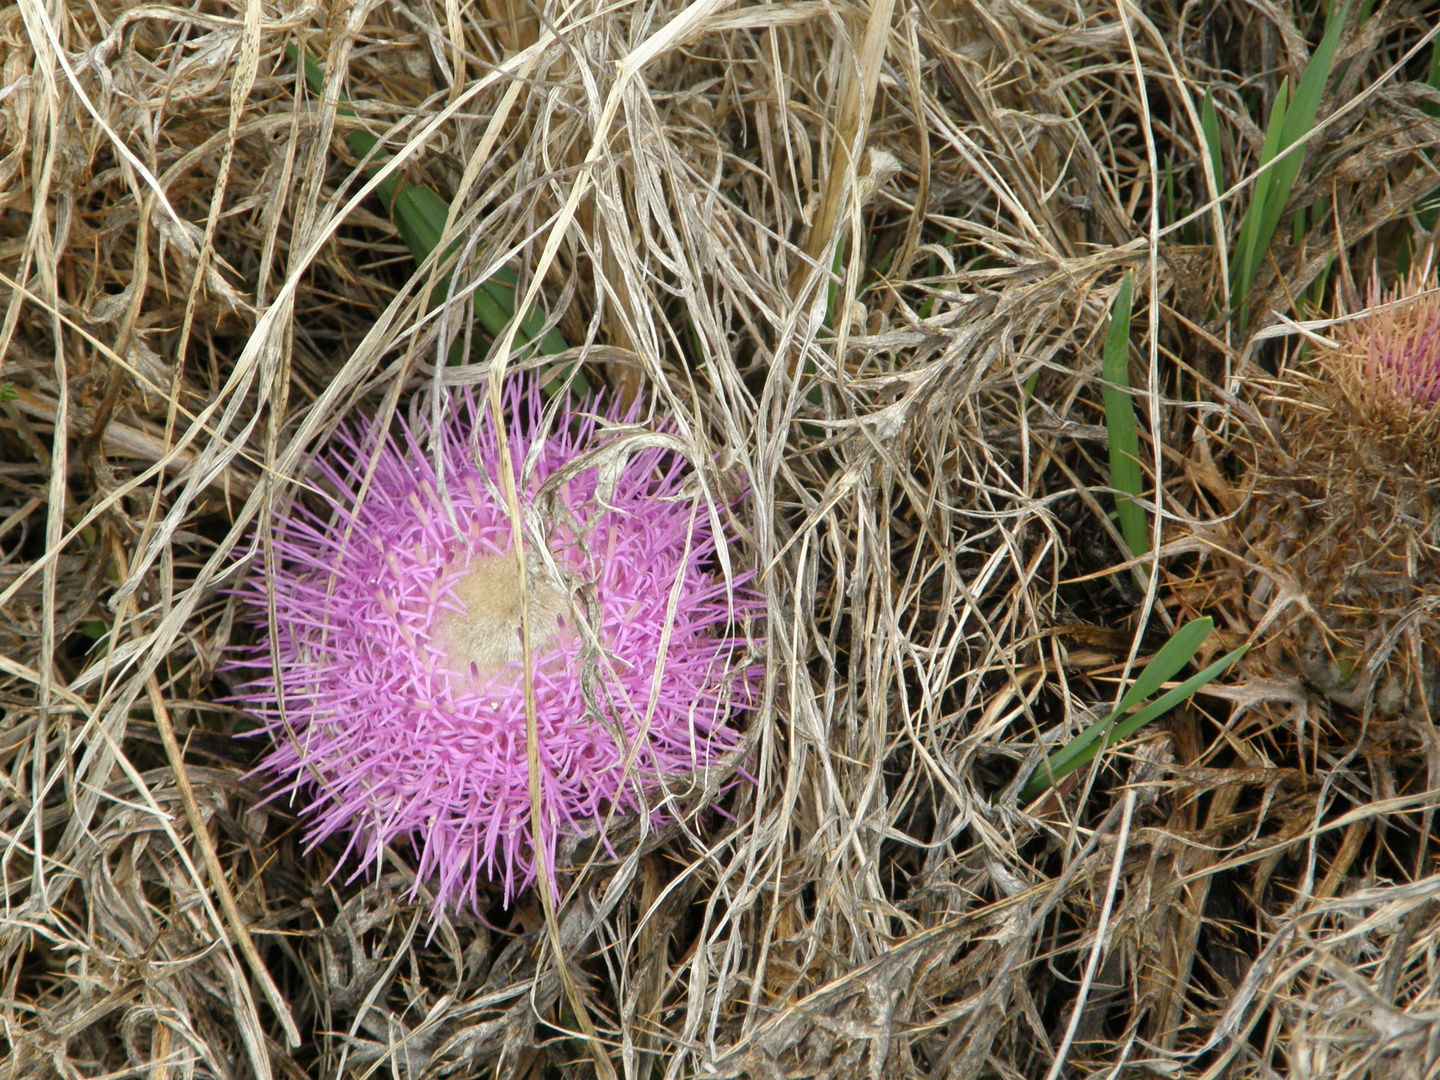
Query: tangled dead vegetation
[199,286]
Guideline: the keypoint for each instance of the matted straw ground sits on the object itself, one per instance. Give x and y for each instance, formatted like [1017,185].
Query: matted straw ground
[195,294]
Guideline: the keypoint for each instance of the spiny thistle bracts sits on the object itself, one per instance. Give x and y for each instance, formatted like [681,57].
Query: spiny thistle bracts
[397,624]
[1335,548]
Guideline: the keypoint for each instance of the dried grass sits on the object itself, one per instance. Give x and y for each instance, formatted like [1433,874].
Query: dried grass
[196,290]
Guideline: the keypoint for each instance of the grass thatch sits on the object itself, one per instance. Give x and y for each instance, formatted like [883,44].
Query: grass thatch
[196,291]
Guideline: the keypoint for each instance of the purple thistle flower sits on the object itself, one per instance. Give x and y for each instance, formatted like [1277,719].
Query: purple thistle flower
[400,658]
[1396,345]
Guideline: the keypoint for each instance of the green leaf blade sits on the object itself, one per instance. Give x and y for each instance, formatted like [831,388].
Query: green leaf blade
[1168,662]
[419,214]
[1291,120]
[1123,436]
[1210,127]
[1249,248]
[1163,704]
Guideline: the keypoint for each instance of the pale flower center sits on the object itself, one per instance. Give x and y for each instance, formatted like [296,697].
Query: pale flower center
[485,637]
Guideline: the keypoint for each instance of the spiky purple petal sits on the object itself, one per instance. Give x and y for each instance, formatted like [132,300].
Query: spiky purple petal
[401,745]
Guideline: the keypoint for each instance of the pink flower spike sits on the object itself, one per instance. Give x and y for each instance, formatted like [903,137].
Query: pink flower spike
[400,655]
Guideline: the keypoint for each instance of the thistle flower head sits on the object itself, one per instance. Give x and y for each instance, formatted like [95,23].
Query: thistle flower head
[1342,503]
[1392,351]
[402,698]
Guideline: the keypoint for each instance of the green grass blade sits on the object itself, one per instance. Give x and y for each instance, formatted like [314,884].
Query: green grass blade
[1125,475]
[1249,249]
[314,74]
[832,288]
[1167,701]
[1305,104]
[815,396]
[362,143]
[1170,214]
[1290,121]
[419,214]
[1210,126]
[1166,664]
[1300,118]
[1172,657]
